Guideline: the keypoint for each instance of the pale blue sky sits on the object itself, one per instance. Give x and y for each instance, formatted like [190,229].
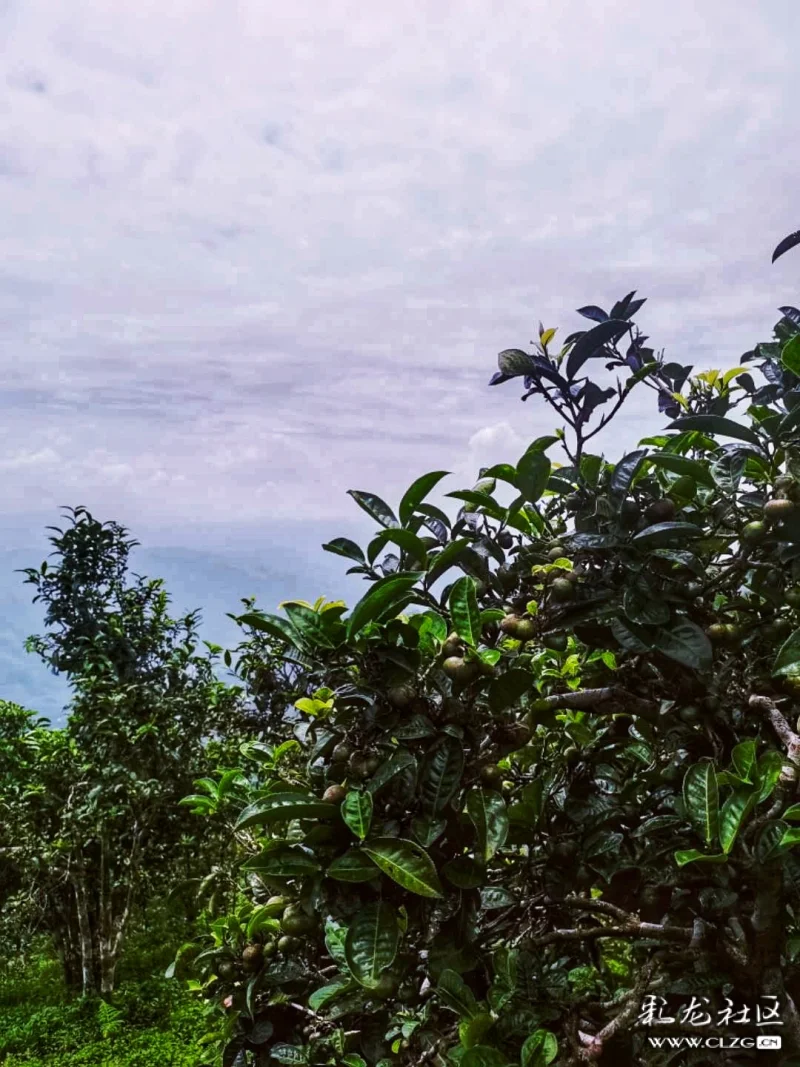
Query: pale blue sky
[255,254]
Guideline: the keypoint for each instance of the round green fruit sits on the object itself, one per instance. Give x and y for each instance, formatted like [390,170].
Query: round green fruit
[556,641]
[525,630]
[690,714]
[792,597]
[460,670]
[334,794]
[371,764]
[557,552]
[296,922]
[507,578]
[504,539]
[562,590]
[778,510]
[253,957]
[753,533]
[660,511]
[341,753]
[287,943]
[226,970]
[453,646]
[491,774]
[509,625]
[400,696]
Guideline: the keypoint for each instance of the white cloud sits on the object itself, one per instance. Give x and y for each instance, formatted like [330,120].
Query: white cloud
[258,254]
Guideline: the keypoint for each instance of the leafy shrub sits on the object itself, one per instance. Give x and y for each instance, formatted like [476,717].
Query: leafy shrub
[490,826]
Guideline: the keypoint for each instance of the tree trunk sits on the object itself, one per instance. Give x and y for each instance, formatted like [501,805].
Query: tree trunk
[85,940]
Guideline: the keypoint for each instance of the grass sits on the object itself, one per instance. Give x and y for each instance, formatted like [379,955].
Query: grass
[150,1022]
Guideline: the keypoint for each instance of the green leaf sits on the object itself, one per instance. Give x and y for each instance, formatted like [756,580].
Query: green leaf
[309,625]
[471,1032]
[352,866]
[447,558]
[666,533]
[464,872]
[283,863]
[790,354]
[788,659]
[533,474]
[400,761]
[592,343]
[770,767]
[792,814]
[343,546]
[357,812]
[489,816]
[328,993]
[282,807]
[744,760]
[701,799]
[372,942]
[716,424]
[540,1049]
[792,835]
[507,688]
[407,864]
[734,811]
[769,843]
[463,605]
[625,471]
[374,507]
[404,539]
[379,600]
[693,856]
[495,897]
[427,830]
[686,643]
[483,1056]
[456,994]
[441,774]
[417,492]
[683,465]
[273,625]
[290,1055]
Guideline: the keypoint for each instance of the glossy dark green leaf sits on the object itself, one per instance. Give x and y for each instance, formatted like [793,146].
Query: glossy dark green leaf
[507,688]
[487,811]
[404,539]
[701,799]
[273,625]
[281,807]
[406,863]
[399,762]
[417,492]
[310,624]
[353,866]
[686,643]
[540,1049]
[464,872]
[376,508]
[625,471]
[428,830]
[283,863]
[371,943]
[716,424]
[464,610]
[328,993]
[592,343]
[682,465]
[733,813]
[447,558]
[788,659]
[357,812]
[483,1056]
[453,991]
[380,599]
[533,473]
[343,546]
[440,775]
[786,244]
[666,533]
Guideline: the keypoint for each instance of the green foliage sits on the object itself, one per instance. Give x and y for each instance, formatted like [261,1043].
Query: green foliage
[583,727]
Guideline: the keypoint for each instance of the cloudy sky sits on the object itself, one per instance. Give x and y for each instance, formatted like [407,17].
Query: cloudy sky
[255,254]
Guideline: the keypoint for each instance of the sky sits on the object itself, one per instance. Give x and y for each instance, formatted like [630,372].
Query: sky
[254,254]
